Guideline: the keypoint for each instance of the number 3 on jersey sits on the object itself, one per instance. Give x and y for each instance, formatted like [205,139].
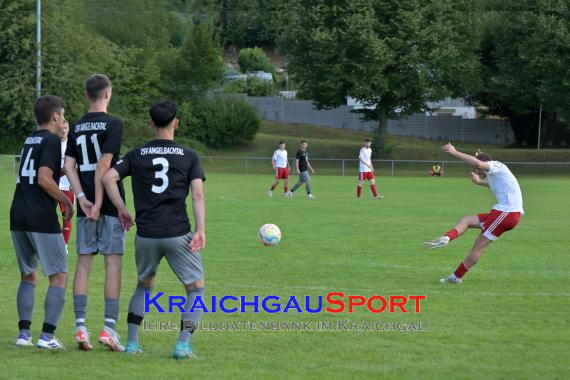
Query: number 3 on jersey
[160,174]
[86,166]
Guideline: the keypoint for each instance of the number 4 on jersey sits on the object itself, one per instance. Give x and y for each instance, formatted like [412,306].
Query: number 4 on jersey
[28,168]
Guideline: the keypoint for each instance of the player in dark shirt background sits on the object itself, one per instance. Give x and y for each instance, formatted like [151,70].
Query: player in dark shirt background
[34,223]
[93,147]
[303,166]
[163,172]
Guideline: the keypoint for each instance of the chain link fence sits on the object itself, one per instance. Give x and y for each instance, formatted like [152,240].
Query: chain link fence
[349,167]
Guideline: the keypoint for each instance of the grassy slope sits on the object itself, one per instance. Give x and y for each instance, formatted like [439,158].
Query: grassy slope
[338,143]
[508,319]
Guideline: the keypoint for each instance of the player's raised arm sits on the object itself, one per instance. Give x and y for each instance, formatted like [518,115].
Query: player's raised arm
[468,159]
[199,210]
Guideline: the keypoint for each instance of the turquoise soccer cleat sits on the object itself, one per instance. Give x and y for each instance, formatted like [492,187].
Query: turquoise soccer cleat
[183,350]
[133,348]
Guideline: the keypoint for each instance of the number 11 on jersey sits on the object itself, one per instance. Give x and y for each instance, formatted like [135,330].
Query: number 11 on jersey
[82,141]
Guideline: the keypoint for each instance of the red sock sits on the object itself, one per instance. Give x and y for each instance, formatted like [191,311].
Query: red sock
[286,189]
[66,232]
[452,234]
[358,191]
[461,270]
[373,187]
[273,187]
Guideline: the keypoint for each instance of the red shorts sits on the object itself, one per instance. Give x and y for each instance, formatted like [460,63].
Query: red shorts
[496,222]
[282,173]
[362,176]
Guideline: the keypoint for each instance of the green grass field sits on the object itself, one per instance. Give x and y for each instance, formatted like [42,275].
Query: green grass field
[509,319]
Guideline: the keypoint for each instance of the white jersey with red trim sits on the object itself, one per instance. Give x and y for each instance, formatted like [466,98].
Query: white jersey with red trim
[366,156]
[505,187]
[280,158]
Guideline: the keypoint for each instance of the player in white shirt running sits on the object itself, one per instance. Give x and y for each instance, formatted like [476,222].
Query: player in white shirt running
[504,216]
[64,185]
[366,170]
[280,165]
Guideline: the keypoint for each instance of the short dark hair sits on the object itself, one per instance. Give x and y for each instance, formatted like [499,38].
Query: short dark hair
[367,140]
[95,85]
[482,156]
[162,113]
[281,142]
[45,106]
[303,141]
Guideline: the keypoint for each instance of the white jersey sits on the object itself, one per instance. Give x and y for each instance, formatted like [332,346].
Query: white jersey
[366,156]
[280,158]
[505,187]
[63,181]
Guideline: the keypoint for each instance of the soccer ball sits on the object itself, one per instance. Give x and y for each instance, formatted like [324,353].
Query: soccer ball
[269,235]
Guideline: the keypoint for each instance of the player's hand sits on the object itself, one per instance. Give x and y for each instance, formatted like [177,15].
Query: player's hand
[312,171]
[274,168]
[85,205]
[125,218]
[69,211]
[198,241]
[476,178]
[371,168]
[95,213]
[448,148]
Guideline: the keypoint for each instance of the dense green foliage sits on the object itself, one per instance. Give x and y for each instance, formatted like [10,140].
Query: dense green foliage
[254,59]
[145,62]
[252,86]
[525,63]
[394,56]
[509,56]
[221,122]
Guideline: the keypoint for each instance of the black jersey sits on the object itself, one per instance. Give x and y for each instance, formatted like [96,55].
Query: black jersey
[96,133]
[303,157]
[34,210]
[162,171]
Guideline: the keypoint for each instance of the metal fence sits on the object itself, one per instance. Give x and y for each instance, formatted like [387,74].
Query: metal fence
[436,127]
[349,167]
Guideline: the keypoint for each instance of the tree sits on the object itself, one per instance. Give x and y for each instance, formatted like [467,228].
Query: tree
[191,70]
[17,91]
[525,64]
[393,56]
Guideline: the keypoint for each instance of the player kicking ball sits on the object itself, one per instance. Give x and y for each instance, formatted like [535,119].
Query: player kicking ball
[366,170]
[504,216]
[280,165]
[34,224]
[303,166]
[163,173]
